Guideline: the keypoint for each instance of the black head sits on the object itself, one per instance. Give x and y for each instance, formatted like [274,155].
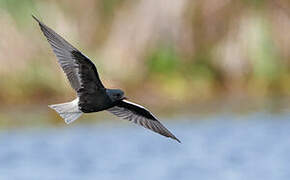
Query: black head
[115,94]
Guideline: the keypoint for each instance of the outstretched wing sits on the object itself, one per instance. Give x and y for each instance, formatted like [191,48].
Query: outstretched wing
[80,71]
[140,115]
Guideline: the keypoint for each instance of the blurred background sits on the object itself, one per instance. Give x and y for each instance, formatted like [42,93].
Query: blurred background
[216,72]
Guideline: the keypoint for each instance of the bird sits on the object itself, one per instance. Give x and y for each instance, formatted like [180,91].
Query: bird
[92,95]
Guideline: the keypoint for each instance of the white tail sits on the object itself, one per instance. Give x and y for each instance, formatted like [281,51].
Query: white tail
[68,111]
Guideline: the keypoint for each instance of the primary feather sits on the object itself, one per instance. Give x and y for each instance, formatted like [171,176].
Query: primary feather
[80,71]
[141,116]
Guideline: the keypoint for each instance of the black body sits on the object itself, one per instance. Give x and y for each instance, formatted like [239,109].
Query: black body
[92,94]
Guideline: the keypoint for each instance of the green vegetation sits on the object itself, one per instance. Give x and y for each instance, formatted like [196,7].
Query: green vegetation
[200,52]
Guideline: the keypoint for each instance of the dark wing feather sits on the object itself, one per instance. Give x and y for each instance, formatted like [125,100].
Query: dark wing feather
[80,71]
[139,115]
[87,72]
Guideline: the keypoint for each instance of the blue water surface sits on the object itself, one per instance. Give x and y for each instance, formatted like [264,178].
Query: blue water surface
[223,147]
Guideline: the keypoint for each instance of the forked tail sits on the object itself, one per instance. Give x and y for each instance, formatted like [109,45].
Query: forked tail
[68,111]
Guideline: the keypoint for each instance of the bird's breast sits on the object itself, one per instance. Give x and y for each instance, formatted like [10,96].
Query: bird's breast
[89,103]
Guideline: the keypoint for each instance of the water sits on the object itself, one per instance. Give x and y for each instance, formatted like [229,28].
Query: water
[224,147]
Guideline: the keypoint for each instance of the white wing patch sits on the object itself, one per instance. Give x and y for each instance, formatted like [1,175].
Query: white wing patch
[132,114]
